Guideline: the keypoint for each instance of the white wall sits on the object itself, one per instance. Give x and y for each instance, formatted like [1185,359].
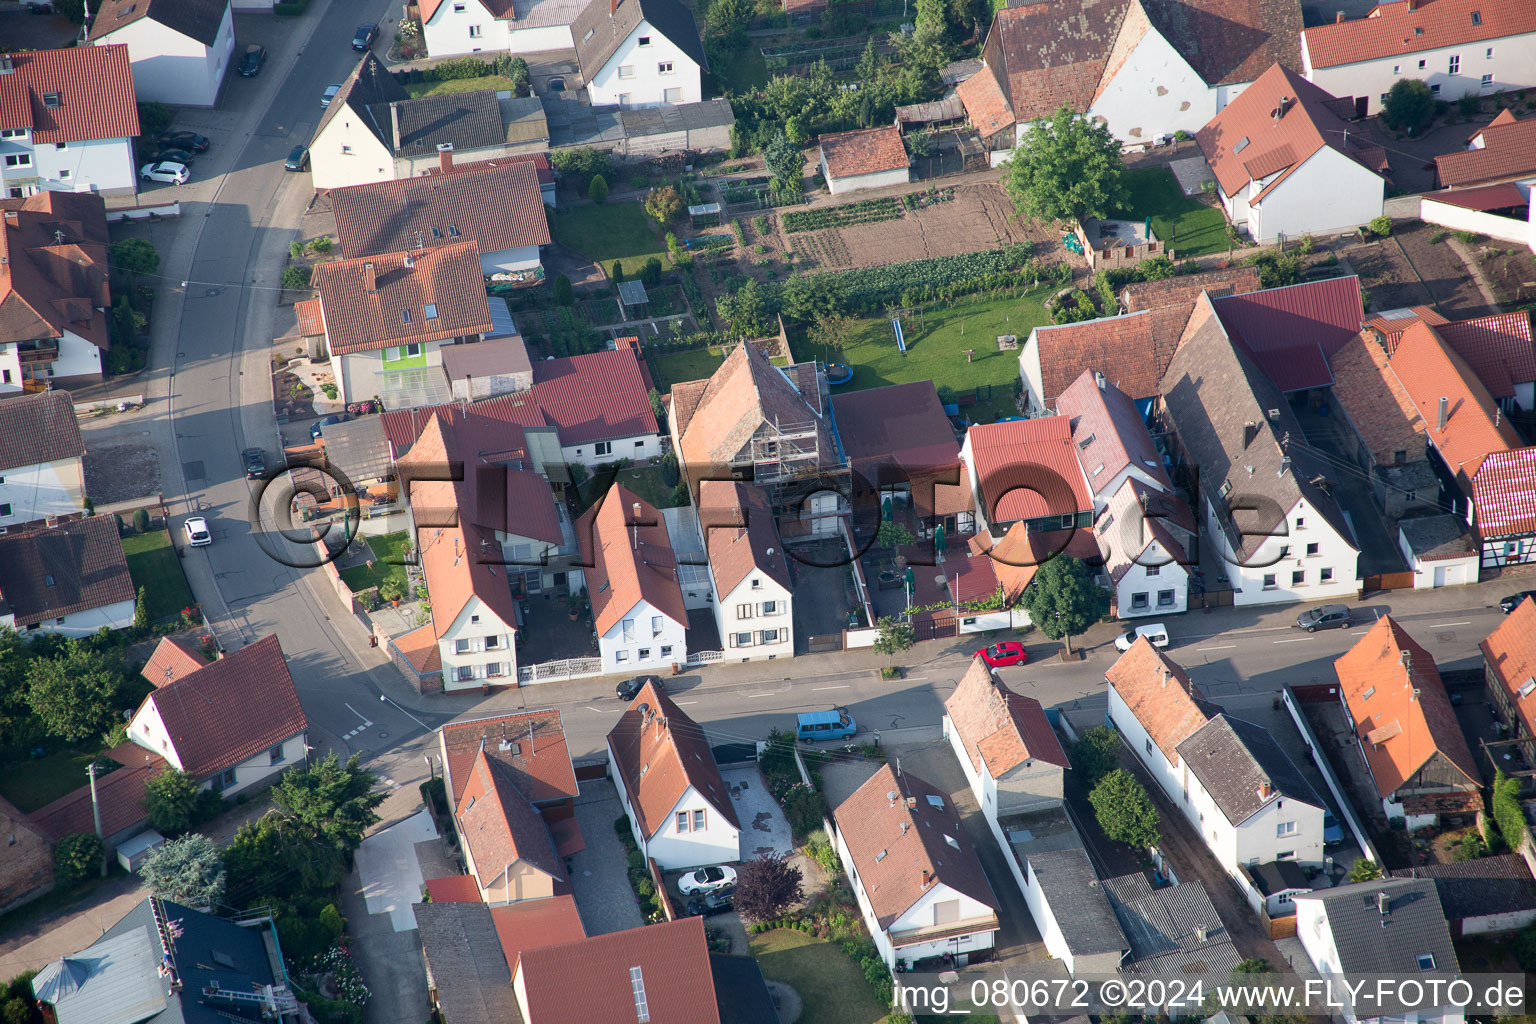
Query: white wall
[1329,192]
[856,182]
[1248,581]
[484,663]
[1152,580]
[646,87]
[452,30]
[1500,552]
[147,729]
[169,67]
[1513,66]
[346,152]
[1169,776]
[94,165]
[719,843]
[260,767]
[1442,572]
[1509,921]
[538,39]
[357,373]
[1507,229]
[77,357]
[636,447]
[1154,93]
[730,622]
[643,652]
[110,616]
[921,915]
[1255,840]
[523,257]
[42,490]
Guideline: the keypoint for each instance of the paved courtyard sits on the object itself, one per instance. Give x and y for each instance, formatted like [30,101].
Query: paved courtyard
[764,829]
[600,873]
[389,871]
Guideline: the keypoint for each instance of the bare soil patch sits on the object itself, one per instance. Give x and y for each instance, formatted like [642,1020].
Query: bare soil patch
[121,468]
[1511,270]
[1445,275]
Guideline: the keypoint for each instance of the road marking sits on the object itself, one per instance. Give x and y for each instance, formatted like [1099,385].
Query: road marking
[1224,647]
[366,724]
[768,694]
[842,687]
[1231,632]
[1441,625]
[681,703]
[1297,640]
[600,711]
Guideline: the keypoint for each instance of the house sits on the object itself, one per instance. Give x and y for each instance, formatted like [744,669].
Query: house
[70,579]
[1069,907]
[1509,675]
[639,53]
[919,884]
[631,580]
[1027,471]
[1456,46]
[1387,437]
[1131,350]
[42,459]
[1485,896]
[1392,926]
[27,871]
[1174,932]
[54,291]
[1279,882]
[497,205]
[1480,458]
[507,845]
[660,972]
[497,26]
[165,963]
[871,158]
[1502,151]
[1498,349]
[1440,551]
[1145,68]
[600,405]
[1406,729]
[386,318]
[1011,756]
[1265,503]
[1155,707]
[374,131]
[1289,163]
[754,597]
[1111,437]
[529,749]
[496,366]
[119,799]
[1291,332]
[67,122]
[180,49]
[230,724]
[680,810]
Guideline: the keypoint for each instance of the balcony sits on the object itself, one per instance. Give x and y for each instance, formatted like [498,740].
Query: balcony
[35,352]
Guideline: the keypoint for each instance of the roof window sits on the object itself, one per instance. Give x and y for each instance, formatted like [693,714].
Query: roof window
[881,856]
[437,232]
[1367,694]
[431,311]
[453,230]
[1426,961]
[935,801]
[405,316]
[1242,144]
[52,100]
[1527,688]
[1477,17]
[1418,30]
[48,580]
[1085,442]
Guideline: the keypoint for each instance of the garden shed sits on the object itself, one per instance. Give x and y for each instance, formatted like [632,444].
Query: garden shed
[633,301]
[705,215]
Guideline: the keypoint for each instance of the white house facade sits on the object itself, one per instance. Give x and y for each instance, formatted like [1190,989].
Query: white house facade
[756,620]
[1311,562]
[1328,193]
[1479,67]
[645,639]
[692,835]
[595,453]
[148,730]
[346,152]
[87,622]
[477,649]
[388,372]
[482,26]
[647,70]
[88,165]
[1154,583]
[170,66]
[31,493]
[1154,92]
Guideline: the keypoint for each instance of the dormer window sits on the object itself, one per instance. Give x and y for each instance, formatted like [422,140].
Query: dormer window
[53,100]
[1527,688]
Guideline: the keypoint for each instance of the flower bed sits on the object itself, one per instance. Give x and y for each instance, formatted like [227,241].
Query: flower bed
[865,211]
[923,200]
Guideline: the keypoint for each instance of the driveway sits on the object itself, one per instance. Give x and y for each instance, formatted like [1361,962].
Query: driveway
[389,872]
[600,873]
[764,829]
[1379,552]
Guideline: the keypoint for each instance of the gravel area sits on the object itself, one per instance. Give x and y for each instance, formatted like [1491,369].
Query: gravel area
[121,467]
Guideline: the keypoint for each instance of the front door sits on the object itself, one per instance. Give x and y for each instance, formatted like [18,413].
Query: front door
[1362,107]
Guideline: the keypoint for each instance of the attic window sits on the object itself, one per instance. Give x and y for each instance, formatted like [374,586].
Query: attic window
[1367,694]
[1527,688]
[453,230]
[1426,961]
[1226,488]
[48,579]
[405,316]
[1242,144]
[952,841]
[52,99]
[430,310]
[1477,17]
[587,36]
[1418,31]
[437,232]
[1098,469]
[1085,442]
[881,856]
[935,801]
[223,959]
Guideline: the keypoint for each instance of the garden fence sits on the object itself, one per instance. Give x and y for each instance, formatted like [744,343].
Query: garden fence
[559,671]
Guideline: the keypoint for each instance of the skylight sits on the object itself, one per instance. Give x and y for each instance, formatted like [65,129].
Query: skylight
[637,987]
[405,316]
[936,801]
[1367,694]
[952,841]
[431,310]
[1241,145]
[453,230]
[1477,17]
[1527,688]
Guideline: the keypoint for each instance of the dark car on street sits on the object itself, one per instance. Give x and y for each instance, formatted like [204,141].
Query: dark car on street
[366,34]
[298,159]
[184,140]
[628,689]
[178,156]
[250,64]
[712,903]
[255,463]
[1326,616]
[1513,601]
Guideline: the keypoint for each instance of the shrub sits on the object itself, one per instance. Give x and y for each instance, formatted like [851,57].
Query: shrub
[321,245]
[561,290]
[1468,105]
[597,188]
[295,278]
[75,859]
[1466,237]
[296,250]
[140,520]
[1364,871]
[1381,227]
[456,68]
[650,272]
[820,849]
[154,118]
[805,808]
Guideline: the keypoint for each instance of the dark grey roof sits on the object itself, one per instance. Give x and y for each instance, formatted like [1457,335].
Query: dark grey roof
[1167,920]
[465,963]
[1077,901]
[38,428]
[496,357]
[1211,392]
[1210,964]
[463,120]
[367,94]
[1370,942]
[600,30]
[1279,876]
[577,124]
[359,449]
[741,994]
[632,293]
[1234,760]
[522,119]
[1435,537]
[1478,888]
[641,121]
[195,19]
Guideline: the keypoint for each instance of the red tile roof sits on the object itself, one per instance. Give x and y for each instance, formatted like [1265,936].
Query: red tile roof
[1486,198]
[500,826]
[1291,331]
[1403,717]
[1508,151]
[1229,42]
[394,310]
[1391,327]
[659,752]
[899,433]
[1044,56]
[1133,350]
[1136,517]
[171,661]
[403,426]
[600,978]
[95,89]
[1378,406]
[231,709]
[600,396]
[1109,432]
[1028,468]
[972,578]
[999,726]
[196,19]
[1160,695]
[1510,654]
[1184,289]
[1404,27]
[1474,427]
[453,889]
[534,924]
[48,286]
[1504,494]
[985,104]
[52,572]
[870,151]
[739,534]
[629,556]
[120,794]
[531,744]
[1499,349]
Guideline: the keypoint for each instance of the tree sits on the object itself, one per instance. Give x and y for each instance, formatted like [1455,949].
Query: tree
[928,23]
[1254,965]
[617,273]
[74,10]
[894,637]
[1067,168]
[75,859]
[664,205]
[134,256]
[728,20]
[332,801]
[766,887]
[516,69]
[650,270]
[597,188]
[74,695]
[170,801]
[1364,871]
[1410,106]
[746,310]
[188,870]
[1124,811]
[893,535]
[1062,599]
[832,330]
[813,297]
[271,858]
[784,160]
[1095,754]
[560,290]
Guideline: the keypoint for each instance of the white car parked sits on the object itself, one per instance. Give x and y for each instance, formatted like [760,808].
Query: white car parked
[196,530]
[1156,634]
[167,171]
[711,879]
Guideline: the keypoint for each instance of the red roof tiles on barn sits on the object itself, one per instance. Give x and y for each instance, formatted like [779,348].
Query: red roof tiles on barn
[871,151]
[1028,468]
[1291,331]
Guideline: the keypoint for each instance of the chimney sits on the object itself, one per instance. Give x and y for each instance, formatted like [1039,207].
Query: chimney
[1406,658]
[1413,5]
[1285,465]
[898,767]
[1165,675]
[890,795]
[635,525]
[911,802]
[445,157]
[370,278]
[1265,790]
[1383,901]
[613,7]
[927,878]
[1338,17]
[1444,402]
[1100,380]
[1250,431]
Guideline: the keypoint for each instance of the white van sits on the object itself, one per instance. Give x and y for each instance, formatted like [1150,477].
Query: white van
[1156,634]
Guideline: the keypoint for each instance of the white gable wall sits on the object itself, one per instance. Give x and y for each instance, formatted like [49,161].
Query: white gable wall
[92,165]
[1155,92]
[30,493]
[1252,582]
[77,358]
[646,85]
[83,623]
[647,645]
[489,655]
[147,729]
[596,453]
[1328,193]
[674,848]
[1162,582]
[464,26]
[169,67]
[744,614]
[346,152]
[922,915]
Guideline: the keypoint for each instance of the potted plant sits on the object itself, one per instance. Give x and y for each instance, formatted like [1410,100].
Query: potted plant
[574,605]
[391,591]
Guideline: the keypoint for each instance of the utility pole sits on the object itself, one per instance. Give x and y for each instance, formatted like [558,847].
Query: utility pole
[90,770]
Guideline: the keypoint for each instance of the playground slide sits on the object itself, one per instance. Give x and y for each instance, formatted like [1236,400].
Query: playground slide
[901,342]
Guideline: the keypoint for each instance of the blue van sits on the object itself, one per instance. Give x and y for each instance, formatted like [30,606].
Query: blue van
[826,725]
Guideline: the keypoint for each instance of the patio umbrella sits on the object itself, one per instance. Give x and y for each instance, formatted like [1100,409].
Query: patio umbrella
[938,539]
[885,509]
[911,579]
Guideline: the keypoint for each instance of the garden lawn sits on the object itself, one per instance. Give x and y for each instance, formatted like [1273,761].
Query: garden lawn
[646,481]
[831,986]
[388,563]
[937,351]
[676,367]
[153,565]
[34,782]
[498,82]
[1184,224]
[611,231]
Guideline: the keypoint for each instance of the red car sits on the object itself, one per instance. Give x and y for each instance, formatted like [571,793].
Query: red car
[1009,653]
